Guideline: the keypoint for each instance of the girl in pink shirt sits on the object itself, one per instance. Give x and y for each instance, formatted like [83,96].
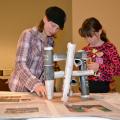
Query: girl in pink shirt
[103,56]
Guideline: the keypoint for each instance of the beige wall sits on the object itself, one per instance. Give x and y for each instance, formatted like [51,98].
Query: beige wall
[107,11]
[16,15]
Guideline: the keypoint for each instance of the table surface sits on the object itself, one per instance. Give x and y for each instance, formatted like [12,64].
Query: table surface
[27,105]
[5,77]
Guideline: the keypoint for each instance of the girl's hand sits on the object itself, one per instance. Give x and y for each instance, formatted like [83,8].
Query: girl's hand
[93,66]
[40,90]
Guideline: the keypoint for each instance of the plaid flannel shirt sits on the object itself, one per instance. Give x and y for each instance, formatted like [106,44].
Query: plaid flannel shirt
[29,67]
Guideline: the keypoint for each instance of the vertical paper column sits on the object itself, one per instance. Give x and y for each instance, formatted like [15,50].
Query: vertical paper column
[49,71]
[68,70]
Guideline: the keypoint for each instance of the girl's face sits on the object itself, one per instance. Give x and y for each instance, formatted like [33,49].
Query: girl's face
[94,39]
[50,28]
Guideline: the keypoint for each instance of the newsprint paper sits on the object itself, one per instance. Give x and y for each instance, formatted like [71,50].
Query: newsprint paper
[27,105]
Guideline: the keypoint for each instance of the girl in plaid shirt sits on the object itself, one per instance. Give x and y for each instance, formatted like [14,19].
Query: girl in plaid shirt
[28,74]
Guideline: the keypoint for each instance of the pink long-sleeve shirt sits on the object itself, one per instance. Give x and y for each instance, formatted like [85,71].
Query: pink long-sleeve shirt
[108,59]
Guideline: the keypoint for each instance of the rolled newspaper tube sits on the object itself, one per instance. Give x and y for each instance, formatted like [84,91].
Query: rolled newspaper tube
[60,74]
[84,82]
[68,71]
[80,61]
[49,71]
